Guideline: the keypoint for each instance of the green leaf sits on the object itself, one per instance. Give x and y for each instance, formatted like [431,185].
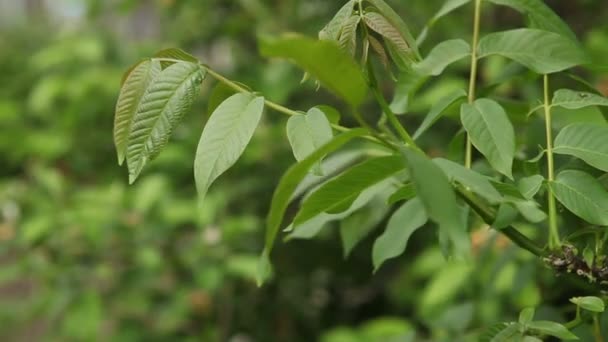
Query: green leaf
[218,95]
[167,98]
[585,141]
[331,113]
[129,98]
[448,7]
[334,68]
[491,133]
[571,99]
[348,36]
[442,55]
[541,16]
[553,329]
[583,195]
[383,27]
[478,183]
[306,133]
[438,109]
[286,187]
[354,228]
[408,83]
[402,224]
[529,186]
[434,190]
[175,53]
[491,334]
[225,137]
[589,303]
[332,30]
[526,316]
[396,21]
[529,209]
[541,51]
[406,192]
[343,189]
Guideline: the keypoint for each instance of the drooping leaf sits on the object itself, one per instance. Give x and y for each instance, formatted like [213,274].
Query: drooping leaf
[589,303]
[571,99]
[585,141]
[332,30]
[379,50]
[402,224]
[583,195]
[541,51]
[529,186]
[344,189]
[348,35]
[434,190]
[385,10]
[553,329]
[225,137]
[541,16]
[478,183]
[130,95]
[322,59]
[306,133]
[442,55]
[438,109]
[286,187]
[354,228]
[491,133]
[167,98]
[383,27]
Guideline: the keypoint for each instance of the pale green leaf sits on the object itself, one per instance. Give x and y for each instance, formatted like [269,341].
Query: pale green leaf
[402,224]
[287,185]
[438,109]
[474,181]
[448,7]
[343,189]
[571,99]
[435,192]
[541,51]
[331,113]
[583,195]
[306,133]
[585,141]
[354,228]
[167,98]
[322,59]
[529,186]
[553,329]
[491,133]
[589,303]
[526,316]
[332,30]
[130,95]
[218,95]
[442,55]
[406,192]
[225,137]
[348,36]
[177,54]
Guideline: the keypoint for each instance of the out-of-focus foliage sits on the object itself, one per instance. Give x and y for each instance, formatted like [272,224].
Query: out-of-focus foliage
[84,257]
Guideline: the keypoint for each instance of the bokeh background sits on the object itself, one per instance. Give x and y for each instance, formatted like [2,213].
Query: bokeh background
[84,257]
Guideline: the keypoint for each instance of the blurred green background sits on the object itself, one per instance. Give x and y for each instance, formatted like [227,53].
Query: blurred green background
[84,257]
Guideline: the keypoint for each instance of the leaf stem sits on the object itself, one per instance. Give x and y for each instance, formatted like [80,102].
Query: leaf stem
[473,78]
[284,110]
[554,240]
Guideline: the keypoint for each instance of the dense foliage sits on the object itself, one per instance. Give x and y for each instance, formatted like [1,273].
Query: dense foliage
[85,256]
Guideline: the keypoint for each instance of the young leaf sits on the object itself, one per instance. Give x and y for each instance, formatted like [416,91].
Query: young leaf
[331,113]
[501,332]
[491,133]
[541,51]
[402,224]
[283,192]
[448,7]
[593,304]
[583,195]
[585,141]
[379,49]
[571,99]
[225,137]
[529,186]
[344,189]
[175,53]
[526,316]
[541,16]
[354,228]
[383,27]
[332,30]
[130,95]
[434,190]
[348,36]
[167,98]
[438,109]
[334,68]
[306,133]
[478,183]
[385,10]
[442,55]
[553,329]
